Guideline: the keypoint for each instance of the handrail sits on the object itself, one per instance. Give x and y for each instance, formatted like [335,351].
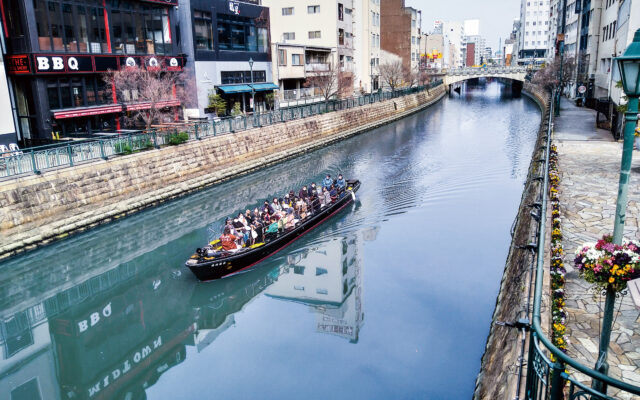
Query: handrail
[67,154]
[536,331]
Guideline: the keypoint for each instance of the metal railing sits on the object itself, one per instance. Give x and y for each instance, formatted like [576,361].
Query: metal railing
[486,71]
[547,378]
[38,159]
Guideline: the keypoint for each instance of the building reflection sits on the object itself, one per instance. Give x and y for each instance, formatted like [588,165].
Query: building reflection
[113,335]
[327,279]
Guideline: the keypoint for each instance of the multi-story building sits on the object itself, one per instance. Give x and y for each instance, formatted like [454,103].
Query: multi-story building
[479,48]
[555,27]
[8,124]
[471,27]
[432,50]
[308,38]
[606,47]
[470,55]
[400,31]
[220,38]
[366,44]
[58,52]
[534,28]
[454,35]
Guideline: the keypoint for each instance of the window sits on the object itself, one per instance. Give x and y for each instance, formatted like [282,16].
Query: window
[341,36]
[289,36]
[231,77]
[313,9]
[287,11]
[296,59]
[314,34]
[241,34]
[340,12]
[282,57]
[204,34]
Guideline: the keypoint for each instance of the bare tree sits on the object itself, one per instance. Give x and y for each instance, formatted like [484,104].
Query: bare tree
[392,73]
[154,91]
[329,80]
[410,76]
[549,76]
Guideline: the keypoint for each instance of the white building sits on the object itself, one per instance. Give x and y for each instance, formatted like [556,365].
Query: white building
[454,43]
[534,31]
[479,50]
[416,22]
[308,37]
[472,27]
[366,16]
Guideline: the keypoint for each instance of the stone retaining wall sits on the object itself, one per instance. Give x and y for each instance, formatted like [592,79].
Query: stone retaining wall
[37,209]
[498,375]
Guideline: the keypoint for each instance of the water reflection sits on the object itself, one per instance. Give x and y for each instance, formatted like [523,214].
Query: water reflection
[109,337]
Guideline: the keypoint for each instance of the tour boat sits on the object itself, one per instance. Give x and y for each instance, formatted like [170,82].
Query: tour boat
[225,264]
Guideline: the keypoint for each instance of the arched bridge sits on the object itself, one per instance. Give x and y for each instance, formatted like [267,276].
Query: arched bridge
[462,74]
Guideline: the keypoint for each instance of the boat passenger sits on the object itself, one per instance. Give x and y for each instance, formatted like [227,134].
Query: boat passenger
[228,241]
[289,219]
[327,181]
[315,203]
[304,192]
[275,205]
[327,196]
[333,193]
[312,188]
[266,208]
[341,183]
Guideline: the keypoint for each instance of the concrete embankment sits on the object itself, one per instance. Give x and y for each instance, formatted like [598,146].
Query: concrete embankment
[38,209]
[498,377]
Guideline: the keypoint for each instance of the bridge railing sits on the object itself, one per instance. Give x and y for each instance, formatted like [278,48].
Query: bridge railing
[38,159]
[552,374]
[487,71]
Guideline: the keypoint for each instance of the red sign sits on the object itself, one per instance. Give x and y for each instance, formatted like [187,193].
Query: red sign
[85,112]
[18,64]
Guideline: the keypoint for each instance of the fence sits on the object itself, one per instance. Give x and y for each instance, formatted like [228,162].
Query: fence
[38,159]
[550,372]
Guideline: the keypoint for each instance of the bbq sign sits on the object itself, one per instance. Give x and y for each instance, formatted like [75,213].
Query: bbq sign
[57,64]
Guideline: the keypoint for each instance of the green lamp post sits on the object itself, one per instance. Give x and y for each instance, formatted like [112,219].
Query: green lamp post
[629,65]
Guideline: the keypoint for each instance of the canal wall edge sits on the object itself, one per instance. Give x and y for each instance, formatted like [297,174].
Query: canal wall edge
[39,209]
[499,371]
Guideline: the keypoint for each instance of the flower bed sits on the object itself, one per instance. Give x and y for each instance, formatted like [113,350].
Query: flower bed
[557,270]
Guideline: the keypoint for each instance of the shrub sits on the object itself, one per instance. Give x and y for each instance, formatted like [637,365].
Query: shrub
[122,147]
[177,138]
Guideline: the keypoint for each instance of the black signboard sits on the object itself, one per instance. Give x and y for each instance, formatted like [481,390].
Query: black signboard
[82,63]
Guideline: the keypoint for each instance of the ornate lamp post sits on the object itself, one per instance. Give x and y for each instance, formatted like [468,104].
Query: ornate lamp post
[253,92]
[629,65]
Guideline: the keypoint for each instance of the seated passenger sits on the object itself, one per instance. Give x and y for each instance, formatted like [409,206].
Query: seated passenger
[341,184]
[333,193]
[313,189]
[275,205]
[273,227]
[315,203]
[228,241]
[266,208]
[326,196]
[289,219]
[327,181]
[304,192]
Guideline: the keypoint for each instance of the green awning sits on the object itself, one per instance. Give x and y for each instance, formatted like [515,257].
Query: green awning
[261,87]
[235,88]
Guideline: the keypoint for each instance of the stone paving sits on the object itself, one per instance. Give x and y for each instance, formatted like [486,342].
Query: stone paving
[589,164]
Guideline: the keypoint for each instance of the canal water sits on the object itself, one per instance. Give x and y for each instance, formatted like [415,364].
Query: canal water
[390,299]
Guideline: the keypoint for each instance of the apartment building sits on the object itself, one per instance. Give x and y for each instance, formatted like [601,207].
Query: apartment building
[366,17]
[400,31]
[309,37]
[534,29]
[479,47]
[454,35]
[432,50]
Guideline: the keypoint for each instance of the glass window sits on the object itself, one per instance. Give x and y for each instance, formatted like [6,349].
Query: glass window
[289,36]
[314,34]
[252,40]
[263,40]
[296,59]
[54,99]
[97,38]
[76,91]
[42,25]
[313,9]
[287,11]
[341,36]
[116,32]
[83,32]
[91,90]
[56,26]
[340,12]
[202,26]
[282,57]
[69,22]
[65,94]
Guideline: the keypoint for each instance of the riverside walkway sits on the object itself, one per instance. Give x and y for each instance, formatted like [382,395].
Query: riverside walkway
[589,165]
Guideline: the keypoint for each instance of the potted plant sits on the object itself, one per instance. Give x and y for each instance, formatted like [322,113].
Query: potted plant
[608,265]
[217,105]
[236,111]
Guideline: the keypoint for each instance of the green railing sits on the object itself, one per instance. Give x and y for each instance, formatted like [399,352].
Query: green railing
[38,159]
[547,379]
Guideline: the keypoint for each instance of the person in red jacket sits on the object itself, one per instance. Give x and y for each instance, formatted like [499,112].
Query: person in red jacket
[228,241]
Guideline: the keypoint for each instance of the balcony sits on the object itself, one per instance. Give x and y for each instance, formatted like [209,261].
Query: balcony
[316,67]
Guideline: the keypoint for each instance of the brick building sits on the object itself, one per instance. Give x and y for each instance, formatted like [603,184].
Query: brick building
[399,31]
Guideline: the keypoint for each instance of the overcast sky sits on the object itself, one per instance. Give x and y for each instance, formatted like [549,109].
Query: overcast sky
[496,16]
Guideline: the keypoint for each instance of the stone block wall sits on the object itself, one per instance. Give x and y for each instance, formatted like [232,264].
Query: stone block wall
[37,209]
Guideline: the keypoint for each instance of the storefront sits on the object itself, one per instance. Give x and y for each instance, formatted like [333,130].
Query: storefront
[229,40]
[59,51]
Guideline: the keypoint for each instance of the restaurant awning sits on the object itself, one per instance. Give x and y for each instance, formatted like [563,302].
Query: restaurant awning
[235,88]
[261,87]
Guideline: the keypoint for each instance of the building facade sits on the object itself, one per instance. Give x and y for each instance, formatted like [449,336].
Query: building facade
[228,49]
[398,31]
[323,33]
[58,52]
[455,45]
[367,45]
[534,29]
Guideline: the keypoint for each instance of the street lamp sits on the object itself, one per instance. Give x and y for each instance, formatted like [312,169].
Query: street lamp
[253,91]
[629,65]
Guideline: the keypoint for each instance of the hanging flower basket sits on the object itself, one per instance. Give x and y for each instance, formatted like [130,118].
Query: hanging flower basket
[608,265]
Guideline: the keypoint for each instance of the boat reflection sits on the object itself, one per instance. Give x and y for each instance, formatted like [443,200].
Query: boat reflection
[113,335]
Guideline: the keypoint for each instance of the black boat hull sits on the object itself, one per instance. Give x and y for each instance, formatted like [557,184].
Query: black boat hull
[231,265]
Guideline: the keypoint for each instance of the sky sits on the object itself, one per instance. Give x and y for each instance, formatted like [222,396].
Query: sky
[496,16]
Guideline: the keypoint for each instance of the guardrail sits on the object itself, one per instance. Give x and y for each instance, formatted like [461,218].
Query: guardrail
[548,379]
[487,71]
[38,159]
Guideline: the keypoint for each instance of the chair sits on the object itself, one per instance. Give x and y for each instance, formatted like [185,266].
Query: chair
[14,149]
